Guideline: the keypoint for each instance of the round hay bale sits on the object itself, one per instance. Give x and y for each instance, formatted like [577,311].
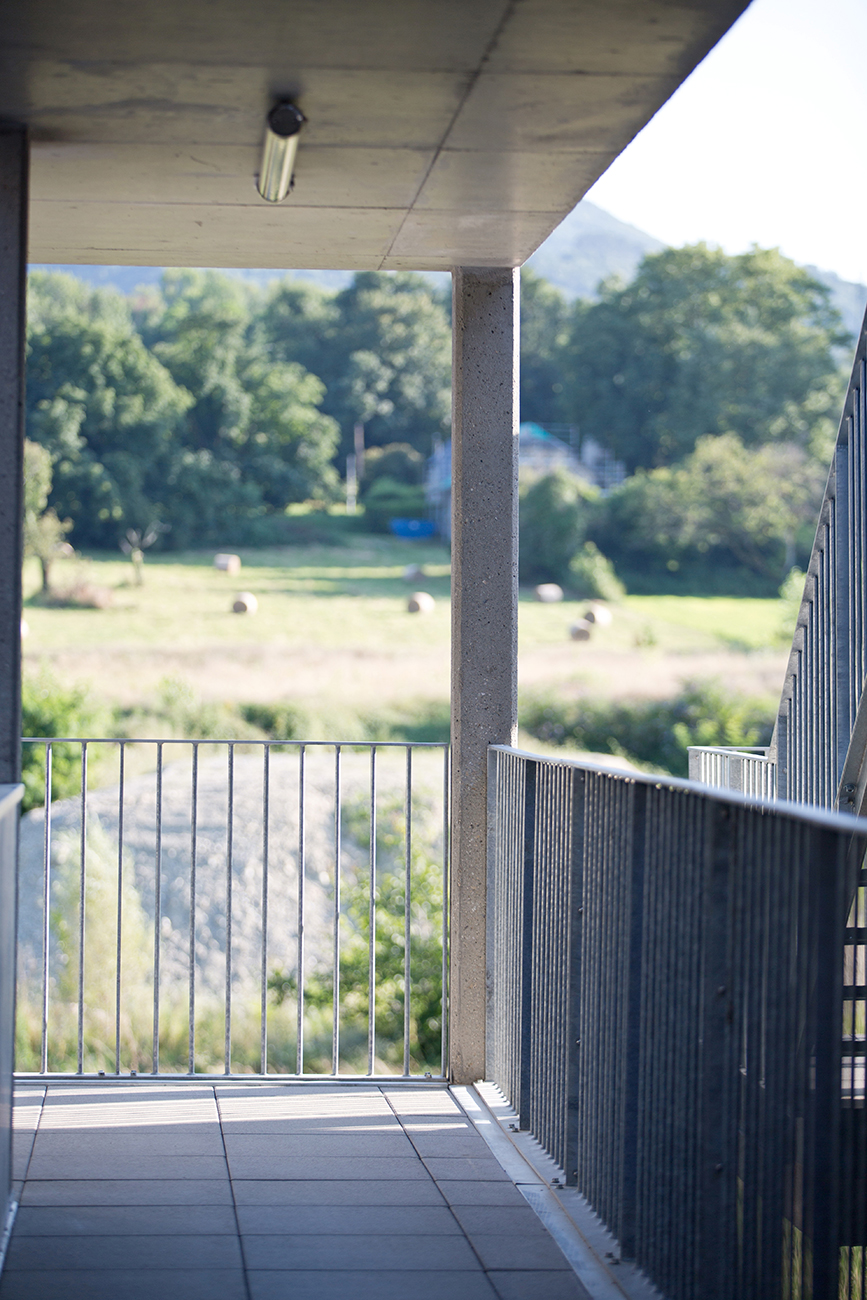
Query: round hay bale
[228,563]
[598,614]
[581,630]
[413,572]
[420,602]
[245,603]
[548,592]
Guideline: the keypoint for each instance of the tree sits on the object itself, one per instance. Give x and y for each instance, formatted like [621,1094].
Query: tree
[187,421]
[103,406]
[701,343]
[545,320]
[382,347]
[43,531]
[554,513]
[722,506]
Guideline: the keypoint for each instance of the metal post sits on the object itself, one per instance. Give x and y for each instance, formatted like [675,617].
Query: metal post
[13,287]
[484,618]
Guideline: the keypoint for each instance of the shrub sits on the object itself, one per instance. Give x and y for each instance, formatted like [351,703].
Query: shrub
[388,499]
[653,733]
[554,514]
[50,709]
[592,576]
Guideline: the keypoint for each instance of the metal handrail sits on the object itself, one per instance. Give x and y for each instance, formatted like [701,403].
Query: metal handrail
[673,970]
[205,888]
[820,736]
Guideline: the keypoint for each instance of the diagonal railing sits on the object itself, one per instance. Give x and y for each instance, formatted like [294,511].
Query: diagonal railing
[677,1012]
[819,746]
[226,907]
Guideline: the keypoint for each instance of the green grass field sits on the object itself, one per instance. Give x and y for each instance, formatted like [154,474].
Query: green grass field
[332,633]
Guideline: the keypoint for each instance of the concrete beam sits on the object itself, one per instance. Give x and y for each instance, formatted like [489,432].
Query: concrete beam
[484,618]
[13,289]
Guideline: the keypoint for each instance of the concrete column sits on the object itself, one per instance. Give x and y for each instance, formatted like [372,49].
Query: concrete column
[13,286]
[484,618]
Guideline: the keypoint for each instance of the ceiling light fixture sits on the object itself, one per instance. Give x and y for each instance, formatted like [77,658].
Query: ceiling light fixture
[276,176]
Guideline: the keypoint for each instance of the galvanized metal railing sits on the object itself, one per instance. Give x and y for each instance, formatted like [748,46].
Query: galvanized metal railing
[233,907]
[667,1015]
[750,770]
[820,738]
[819,745]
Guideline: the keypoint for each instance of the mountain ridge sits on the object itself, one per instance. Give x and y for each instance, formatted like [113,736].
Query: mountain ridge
[588,246]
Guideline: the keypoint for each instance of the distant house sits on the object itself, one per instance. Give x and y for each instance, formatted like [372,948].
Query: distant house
[540,452]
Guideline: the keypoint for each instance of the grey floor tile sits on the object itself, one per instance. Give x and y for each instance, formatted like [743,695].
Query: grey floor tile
[378,1284]
[422,1101]
[451,1145]
[125,1220]
[289,1126]
[345,1220]
[128,1191]
[130,1284]
[172,1140]
[502,1219]
[330,1167]
[100,1164]
[26,1108]
[414,1254]
[525,1251]
[482,1169]
[320,1146]
[524,1284]
[22,1150]
[462,1191]
[32,1254]
[337,1191]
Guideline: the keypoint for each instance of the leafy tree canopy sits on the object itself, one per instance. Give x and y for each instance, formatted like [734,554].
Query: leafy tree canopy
[382,346]
[171,413]
[725,505]
[545,321]
[701,343]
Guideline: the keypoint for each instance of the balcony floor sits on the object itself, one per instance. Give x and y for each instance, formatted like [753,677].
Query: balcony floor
[246,1191]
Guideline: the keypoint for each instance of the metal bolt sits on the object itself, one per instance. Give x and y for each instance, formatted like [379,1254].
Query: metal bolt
[577,1042]
[721,990]
[849,789]
[580,911]
[717,1169]
[132,1074]
[102,1074]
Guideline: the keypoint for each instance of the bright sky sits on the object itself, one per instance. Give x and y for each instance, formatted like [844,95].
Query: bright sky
[763,143]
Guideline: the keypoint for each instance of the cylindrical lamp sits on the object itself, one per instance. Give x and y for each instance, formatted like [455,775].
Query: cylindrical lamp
[278,153]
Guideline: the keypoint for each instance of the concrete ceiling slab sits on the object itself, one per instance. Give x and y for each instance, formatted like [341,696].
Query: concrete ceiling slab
[439,132]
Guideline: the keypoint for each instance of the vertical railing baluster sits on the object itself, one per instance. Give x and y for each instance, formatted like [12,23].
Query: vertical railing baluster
[444,976]
[119,936]
[371,921]
[46,906]
[335,986]
[407,912]
[158,907]
[191,1042]
[230,829]
[263,974]
[302,867]
[82,895]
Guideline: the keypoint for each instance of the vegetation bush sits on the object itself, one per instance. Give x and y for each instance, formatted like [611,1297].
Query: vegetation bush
[652,733]
[592,576]
[425,906]
[397,461]
[554,515]
[388,499]
[50,709]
